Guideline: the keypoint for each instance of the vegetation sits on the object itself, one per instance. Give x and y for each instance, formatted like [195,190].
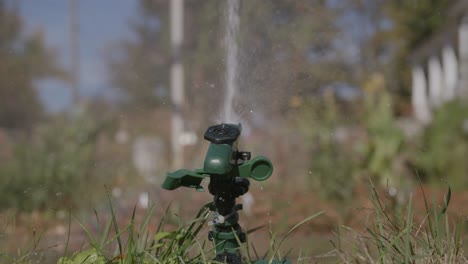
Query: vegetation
[293,53]
[444,145]
[398,237]
[139,245]
[133,244]
[410,27]
[54,168]
[330,160]
[24,60]
[390,236]
[343,154]
[408,33]
[391,32]
[284,44]
[140,67]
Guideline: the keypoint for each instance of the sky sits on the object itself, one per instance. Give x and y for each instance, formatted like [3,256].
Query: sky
[101,23]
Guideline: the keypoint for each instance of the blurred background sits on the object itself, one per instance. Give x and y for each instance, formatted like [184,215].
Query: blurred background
[104,97]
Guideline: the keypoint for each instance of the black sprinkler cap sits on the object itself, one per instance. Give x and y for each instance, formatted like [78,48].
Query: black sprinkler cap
[223,133]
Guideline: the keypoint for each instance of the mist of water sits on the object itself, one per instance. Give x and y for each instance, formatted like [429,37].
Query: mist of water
[232,60]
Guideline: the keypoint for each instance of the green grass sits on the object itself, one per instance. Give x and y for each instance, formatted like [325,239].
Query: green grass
[392,236]
[135,244]
[396,237]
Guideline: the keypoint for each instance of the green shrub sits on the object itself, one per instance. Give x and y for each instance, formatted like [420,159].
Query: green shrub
[332,164]
[52,168]
[371,143]
[384,144]
[443,148]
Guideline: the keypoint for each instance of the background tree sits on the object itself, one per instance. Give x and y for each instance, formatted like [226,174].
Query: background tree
[413,22]
[384,35]
[24,59]
[139,66]
[286,48]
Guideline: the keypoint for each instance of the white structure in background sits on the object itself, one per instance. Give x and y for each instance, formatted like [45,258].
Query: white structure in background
[440,66]
[177,81]
[148,157]
[419,97]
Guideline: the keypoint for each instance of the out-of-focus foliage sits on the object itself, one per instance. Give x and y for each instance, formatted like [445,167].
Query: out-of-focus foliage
[413,22]
[443,152]
[346,149]
[389,31]
[379,150]
[333,163]
[286,48]
[23,59]
[384,139]
[289,52]
[54,169]
[139,67]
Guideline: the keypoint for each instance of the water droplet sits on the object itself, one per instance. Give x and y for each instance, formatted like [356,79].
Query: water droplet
[117,192]
[143,200]
[392,191]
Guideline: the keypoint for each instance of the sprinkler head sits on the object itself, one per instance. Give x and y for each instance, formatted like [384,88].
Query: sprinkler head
[222,160]
[223,133]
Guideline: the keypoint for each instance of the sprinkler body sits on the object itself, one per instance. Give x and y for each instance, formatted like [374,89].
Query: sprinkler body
[229,171]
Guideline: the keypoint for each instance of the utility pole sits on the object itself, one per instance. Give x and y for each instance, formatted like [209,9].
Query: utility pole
[75,52]
[177,80]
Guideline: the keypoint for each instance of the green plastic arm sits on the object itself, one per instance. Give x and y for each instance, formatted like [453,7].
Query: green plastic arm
[185,178]
[258,168]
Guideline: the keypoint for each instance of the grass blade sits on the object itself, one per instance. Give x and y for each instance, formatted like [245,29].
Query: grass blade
[295,227]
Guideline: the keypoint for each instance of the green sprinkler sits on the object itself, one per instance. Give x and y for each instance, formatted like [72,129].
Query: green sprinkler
[229,171]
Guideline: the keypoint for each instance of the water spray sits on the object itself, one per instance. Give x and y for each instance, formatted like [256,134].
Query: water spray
[232,54]
[229,171]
